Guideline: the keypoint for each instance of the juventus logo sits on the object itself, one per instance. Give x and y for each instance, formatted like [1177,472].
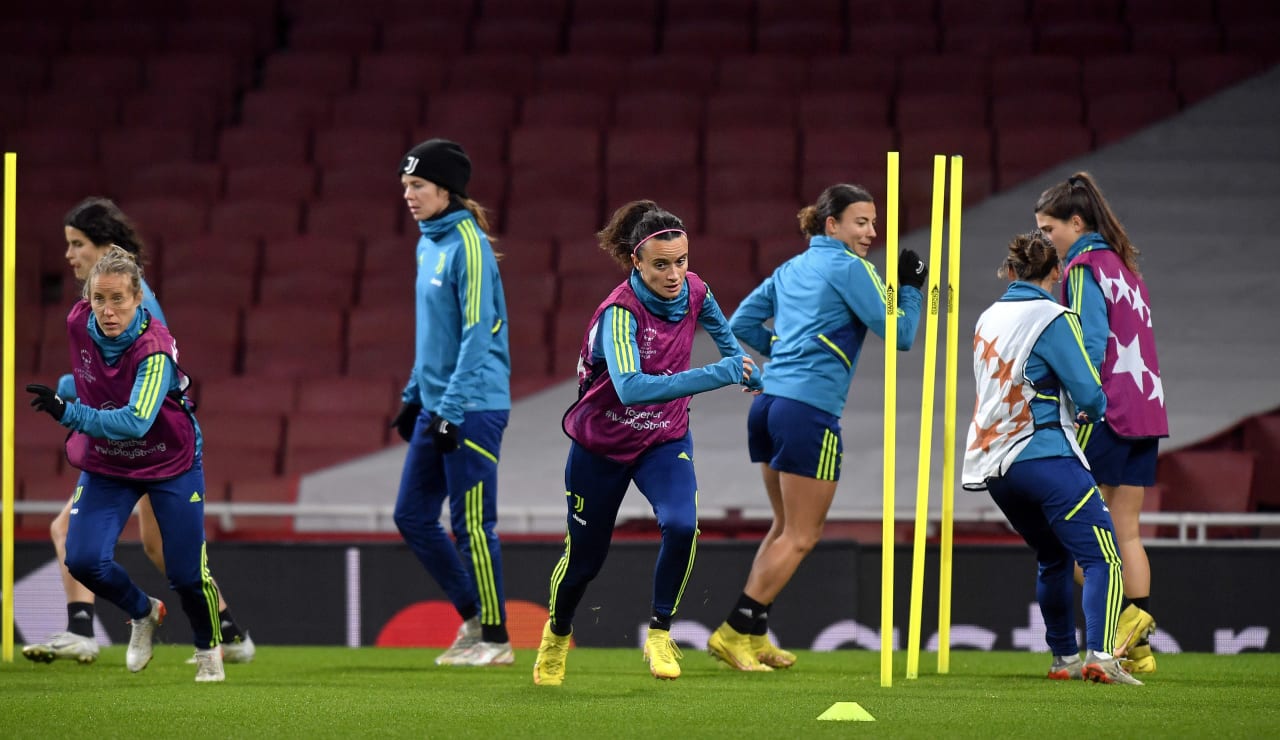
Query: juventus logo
[410,164]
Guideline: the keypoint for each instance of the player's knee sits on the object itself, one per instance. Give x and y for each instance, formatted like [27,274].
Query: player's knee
[58,532]
[803,541]
[86,568]
[680,530]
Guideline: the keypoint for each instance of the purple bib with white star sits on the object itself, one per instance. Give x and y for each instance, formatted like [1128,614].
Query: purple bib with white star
[1130,369]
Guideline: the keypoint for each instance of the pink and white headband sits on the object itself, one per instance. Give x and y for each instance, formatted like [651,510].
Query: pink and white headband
[636,248]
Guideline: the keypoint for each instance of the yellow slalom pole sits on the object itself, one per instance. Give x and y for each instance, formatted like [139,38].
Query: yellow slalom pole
[6,417]
[949,415]
[890,419]
[926,416]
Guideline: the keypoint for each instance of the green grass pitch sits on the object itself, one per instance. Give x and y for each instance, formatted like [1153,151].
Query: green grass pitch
[317,692]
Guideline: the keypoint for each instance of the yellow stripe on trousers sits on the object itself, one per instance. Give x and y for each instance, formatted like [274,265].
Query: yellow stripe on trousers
[210,594]
[481,561]
[557,575]
[1115,584]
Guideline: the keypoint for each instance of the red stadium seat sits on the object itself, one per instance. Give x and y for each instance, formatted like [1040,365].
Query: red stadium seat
[276,344]
[1066,11]
[804,37]
[659,109]
[854,147]
[727,110]
[1115,116]
[254,218]
[941,110]
[355,181]
[494,71]
[206,288]
[1177,38]
[661,183]
[216,73]
[308,71]
[409,71]
[1143,12]
[209,252]
[519,256]
[731,182]
[553,9]
[985,39]
[294,288]
[383,326]
[198,113]
[27,74]
[208,342]
[567,108]
[715,37]
[292,111]
[719,258]
[994,12]
[533,36]
[243,444]
[1253,39]
[329,34]
[589,73]
[52,146]
[237,37]
[751,218]
[359,218]
[944,73]
[446,37]
[675,70]
[1198,77]
[321,440]
[257,146]
[380,109]
[466,111]
[34,37]
[559,218]
[96,73]
[1030,109]
[618,38]
[187,180]
[537,183]
[529,294]
[845,109]
[291,184]
[1261,435]
[1209,481]
[565,146]
[348,395]
[331,252]
[765,146]
[1127,72]
[170,218]
[766,73]
[636,11]
[892,37]
[860,71]
[1082,38]
[351,146]
[1022,153]
[651,147]
[1028,73]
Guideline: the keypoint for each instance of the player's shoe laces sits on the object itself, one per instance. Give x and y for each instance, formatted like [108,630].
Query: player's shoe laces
[209,665]
[553,652]
[67,645]
[734,649]
[468,635]
[1134,627]
[771,655]
[144,631]
[663,654]
[1064,670]
[1139,659]
[1100,669]
[486,653]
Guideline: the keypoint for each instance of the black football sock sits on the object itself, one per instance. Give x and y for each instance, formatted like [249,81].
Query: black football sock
[659,622]
[80,618]
[230,630]
[744,614]
[761,627]
[494,633]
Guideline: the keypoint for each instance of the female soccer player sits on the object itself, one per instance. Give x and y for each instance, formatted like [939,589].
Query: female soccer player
[1104,288]
[456,402]
[133,434]
[631,424]
[1027,358]
[822,302]
[91,228]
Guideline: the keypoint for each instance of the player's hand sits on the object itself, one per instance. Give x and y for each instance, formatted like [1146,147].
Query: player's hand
[446,434]
[751,380]
[406,420]
[47,400]
[912,270]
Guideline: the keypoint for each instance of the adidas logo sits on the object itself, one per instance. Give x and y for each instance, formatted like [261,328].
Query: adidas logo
[195,497]
[82,614]
[746,613]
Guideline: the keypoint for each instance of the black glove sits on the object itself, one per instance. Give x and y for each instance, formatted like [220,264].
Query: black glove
[406,420]
[446,434]
[912,270]
[47,400]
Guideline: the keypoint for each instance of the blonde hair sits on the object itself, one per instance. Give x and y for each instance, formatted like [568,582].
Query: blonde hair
[116,261]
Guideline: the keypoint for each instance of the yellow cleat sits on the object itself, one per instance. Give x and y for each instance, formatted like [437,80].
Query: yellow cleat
[1134,627]
[663,655]
[1140,660]
[553,652]
[734,649]
[771,655]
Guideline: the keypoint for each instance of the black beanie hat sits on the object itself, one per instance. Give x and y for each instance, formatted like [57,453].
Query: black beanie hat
[440,161]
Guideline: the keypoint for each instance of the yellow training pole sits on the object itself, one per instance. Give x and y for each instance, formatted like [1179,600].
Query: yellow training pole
[949,415]
[926,416]
[890,419]
[6,417]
